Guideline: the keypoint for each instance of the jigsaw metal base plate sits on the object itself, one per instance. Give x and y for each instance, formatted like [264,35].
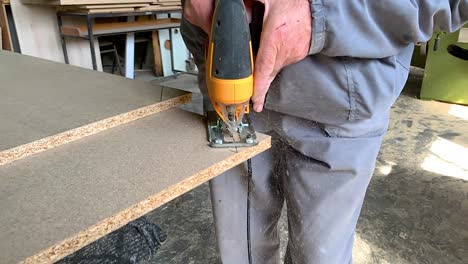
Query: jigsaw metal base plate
[219,135]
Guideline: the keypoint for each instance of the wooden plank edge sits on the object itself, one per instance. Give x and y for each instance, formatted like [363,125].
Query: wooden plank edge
[111,6]
[108,225]
[159,8]
[110,10]
[41,145]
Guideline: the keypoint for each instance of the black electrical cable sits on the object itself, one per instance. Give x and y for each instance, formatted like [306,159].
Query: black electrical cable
[249,179]
[256,27]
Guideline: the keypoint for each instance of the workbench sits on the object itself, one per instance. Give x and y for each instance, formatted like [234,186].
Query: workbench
[92,30]
[84,153]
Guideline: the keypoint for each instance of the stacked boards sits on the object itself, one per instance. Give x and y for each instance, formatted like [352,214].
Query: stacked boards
[111,6]
[83,153]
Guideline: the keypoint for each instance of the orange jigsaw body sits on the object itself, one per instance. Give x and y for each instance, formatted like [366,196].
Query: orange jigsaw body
[229,92]
[229,62]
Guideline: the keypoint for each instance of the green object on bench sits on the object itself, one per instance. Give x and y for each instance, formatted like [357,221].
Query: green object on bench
[446,76]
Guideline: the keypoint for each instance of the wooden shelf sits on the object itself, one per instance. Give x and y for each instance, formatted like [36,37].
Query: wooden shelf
[121,27]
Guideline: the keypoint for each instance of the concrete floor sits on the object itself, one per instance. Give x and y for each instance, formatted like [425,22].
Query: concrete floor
[416,208]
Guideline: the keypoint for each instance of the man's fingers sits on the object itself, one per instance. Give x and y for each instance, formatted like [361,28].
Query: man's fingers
[259,94]
[264,70]
[206,26]
[199,13]
[248,7]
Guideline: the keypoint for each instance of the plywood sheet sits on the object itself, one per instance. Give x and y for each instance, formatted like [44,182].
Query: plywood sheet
[42,101]
[56,202]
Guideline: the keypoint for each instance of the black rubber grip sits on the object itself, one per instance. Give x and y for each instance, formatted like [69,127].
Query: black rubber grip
[231,39]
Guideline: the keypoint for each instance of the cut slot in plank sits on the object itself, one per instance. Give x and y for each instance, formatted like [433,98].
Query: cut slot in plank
[46,104]
[57,202]
[122,27]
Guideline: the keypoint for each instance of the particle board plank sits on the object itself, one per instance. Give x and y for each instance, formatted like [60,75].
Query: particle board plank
[55,203]
[45,104]
[121,27]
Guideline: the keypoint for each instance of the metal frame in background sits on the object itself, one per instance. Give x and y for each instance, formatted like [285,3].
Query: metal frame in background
[90,22]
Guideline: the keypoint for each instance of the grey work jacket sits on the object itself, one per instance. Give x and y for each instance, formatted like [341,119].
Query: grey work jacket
[359,57]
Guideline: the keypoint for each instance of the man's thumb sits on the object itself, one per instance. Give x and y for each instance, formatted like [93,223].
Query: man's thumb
[261,85]
[264,73]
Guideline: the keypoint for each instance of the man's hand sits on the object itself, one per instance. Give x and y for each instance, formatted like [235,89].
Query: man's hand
[199,13]
[286,36]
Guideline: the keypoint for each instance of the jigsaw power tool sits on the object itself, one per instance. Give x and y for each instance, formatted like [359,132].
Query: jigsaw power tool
[229,76]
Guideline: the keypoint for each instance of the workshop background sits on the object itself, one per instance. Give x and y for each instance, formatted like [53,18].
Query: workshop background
[416,208]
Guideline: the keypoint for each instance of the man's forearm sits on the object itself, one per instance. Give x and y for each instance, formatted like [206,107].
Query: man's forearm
[378,29]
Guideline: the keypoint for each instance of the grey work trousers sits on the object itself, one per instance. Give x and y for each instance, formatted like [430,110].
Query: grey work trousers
[322,179]
[320,168]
